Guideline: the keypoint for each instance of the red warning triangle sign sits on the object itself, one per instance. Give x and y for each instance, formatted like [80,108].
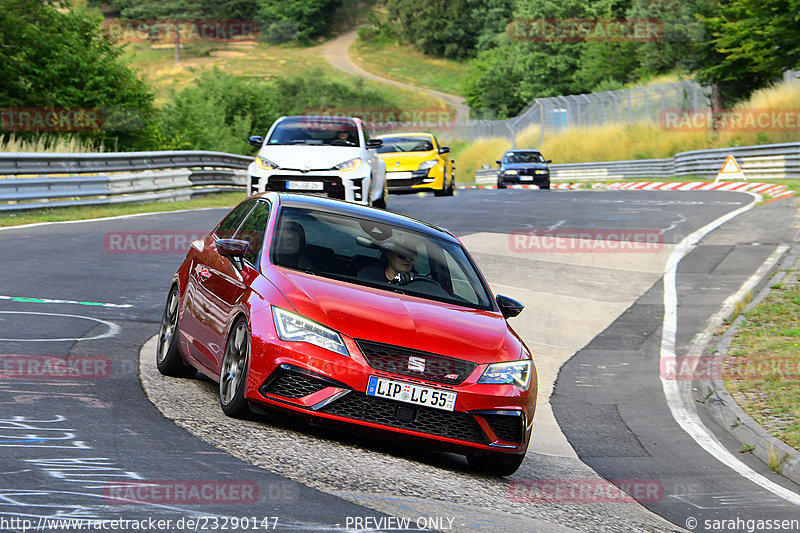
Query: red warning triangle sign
[730,170]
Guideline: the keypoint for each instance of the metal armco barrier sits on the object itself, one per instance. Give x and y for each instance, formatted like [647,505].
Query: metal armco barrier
[770,161]
[36,180]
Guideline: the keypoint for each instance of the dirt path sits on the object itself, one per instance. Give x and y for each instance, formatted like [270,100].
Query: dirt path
[336,52]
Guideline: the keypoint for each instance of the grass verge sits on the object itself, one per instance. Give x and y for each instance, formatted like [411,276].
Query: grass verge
[60,214]
[404,63]
[261,61]
[765,379]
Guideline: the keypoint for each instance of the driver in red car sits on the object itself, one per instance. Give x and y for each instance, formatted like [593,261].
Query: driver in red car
[396,266]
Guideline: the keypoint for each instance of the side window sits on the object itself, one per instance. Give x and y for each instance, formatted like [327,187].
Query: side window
[228,226]
[252,231]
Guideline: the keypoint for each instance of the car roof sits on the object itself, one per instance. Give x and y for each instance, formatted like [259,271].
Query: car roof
[346,208]
[522,151]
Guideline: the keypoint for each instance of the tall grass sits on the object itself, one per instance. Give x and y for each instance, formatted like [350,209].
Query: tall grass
[49,143]
[642,140]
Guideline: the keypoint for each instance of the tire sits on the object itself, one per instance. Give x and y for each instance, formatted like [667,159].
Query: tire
[168,358]
[546,186]
[233,372]
[380,203]
[501,185]
[495,464]
[442,191]
[451,188]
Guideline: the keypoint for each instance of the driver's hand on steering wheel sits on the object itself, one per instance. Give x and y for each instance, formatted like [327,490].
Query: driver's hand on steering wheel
[403,278]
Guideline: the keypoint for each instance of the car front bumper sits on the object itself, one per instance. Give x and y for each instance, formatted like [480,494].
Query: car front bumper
[351,186]
[328,387]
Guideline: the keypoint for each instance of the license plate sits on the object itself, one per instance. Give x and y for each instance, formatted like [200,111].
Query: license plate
[409,393]
[304,185]
[526,178]
[398,175]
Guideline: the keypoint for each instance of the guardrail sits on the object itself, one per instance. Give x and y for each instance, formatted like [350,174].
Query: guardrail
[36,180]
[772,161]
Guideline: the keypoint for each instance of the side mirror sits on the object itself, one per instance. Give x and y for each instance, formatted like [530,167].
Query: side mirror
[498,162]
[509,306]
[444,149]
[374,143]
[256,140]
[233,249]
[549,161]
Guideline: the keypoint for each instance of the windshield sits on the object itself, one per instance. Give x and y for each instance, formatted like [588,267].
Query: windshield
[524,157]
[322,131]
[366,252]
[405,144]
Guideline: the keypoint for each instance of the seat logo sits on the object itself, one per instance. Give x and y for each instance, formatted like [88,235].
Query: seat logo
[416,364]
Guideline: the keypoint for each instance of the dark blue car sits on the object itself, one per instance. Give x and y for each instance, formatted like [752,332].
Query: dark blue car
[523,167]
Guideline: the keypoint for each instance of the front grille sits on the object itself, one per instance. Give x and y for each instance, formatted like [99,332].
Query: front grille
[395,359]
[530,172]
[506,427]
[451,424]
[331,185]
[292,384]
[417,177]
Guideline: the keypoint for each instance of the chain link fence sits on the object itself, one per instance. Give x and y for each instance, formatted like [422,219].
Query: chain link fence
[557,113]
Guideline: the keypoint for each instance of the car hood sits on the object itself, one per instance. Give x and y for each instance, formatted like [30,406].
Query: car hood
[408,321]
[315,157]
[406,160]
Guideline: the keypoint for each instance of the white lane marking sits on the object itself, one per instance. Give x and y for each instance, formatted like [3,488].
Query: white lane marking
[113,329]
[24,299]
[117,217]
[688,419]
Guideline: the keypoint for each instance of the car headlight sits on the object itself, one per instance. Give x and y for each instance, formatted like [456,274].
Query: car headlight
[292,327]
[350,164]
[510,172]
[514,372]
[430,163]
[541,172]
[266,164]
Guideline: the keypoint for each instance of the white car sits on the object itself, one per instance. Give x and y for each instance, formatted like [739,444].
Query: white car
[328,156]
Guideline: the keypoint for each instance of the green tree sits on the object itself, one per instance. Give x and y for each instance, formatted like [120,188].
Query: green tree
[450,28]
[752,42]
[289,20]
[74,67]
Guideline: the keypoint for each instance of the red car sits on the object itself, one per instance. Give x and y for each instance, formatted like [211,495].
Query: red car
[349,314]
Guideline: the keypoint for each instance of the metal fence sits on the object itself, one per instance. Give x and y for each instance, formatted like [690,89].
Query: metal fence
[554,114]
[772,161]
[36,180]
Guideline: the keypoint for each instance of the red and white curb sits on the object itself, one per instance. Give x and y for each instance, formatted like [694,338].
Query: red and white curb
[776,191]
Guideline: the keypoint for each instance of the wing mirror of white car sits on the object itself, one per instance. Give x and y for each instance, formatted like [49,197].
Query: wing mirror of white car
[256,140]
[374,143]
